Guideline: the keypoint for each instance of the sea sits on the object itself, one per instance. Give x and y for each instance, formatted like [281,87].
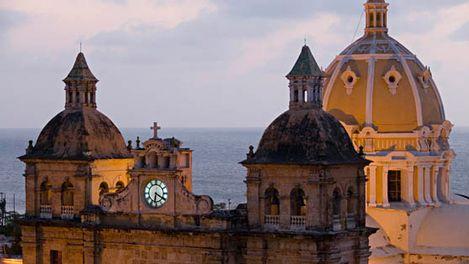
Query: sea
[216,157]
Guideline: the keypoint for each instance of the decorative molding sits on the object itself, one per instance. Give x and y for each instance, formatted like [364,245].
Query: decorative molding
[349,78]
[392,79]
[425,79]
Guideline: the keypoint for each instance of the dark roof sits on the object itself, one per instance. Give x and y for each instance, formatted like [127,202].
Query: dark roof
[305,137]
[80,70]
[305,65]
[79,134]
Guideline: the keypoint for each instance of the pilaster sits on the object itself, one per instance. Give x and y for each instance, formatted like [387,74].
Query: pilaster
[372,184]
[384,183]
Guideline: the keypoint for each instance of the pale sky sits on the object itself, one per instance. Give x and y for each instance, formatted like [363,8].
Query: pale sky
[204,63]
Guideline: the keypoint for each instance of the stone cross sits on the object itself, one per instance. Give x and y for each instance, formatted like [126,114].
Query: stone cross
[155,129]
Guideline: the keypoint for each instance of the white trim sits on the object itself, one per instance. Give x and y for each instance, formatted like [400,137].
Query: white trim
[435,89]
[331,82]
[369,91]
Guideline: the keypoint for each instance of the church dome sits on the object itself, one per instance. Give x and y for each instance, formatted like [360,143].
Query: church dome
[305,137]
[378,82]
[80,132]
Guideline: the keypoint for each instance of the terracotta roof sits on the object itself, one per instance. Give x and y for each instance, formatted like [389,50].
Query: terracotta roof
[305,65]
[305,137]
[80,70]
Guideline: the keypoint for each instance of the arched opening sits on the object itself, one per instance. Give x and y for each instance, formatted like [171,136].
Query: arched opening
[336,209]
[272,207]
[378,19]
[103,188]
[152,160]
[305,96]
[272,202]
[44,197]
[119,186]
[66,197]
[45,209]
[67,194]
[295,96]
[372,20]
[297,202]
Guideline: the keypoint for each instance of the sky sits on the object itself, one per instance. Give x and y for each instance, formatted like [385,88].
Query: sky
[204,63]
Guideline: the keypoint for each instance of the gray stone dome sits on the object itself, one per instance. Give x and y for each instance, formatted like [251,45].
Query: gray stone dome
[305,137]
[79,134]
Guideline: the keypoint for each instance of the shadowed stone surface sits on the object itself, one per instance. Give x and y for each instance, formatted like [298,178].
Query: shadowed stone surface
[80,134]
[305,137]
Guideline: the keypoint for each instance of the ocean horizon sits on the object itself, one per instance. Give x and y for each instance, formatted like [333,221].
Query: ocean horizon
[216,157]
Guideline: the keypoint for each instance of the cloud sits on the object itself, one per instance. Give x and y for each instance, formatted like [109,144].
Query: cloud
[462,34]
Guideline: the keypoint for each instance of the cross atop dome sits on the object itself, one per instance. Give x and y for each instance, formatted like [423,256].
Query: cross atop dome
[376,16]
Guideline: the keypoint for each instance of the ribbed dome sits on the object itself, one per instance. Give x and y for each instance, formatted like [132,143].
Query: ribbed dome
[79,134]
[378,82]
[305,137]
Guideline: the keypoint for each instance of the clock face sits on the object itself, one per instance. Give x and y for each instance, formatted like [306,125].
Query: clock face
[156,193]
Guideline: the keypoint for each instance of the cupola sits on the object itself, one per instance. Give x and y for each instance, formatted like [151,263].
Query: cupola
[376,16]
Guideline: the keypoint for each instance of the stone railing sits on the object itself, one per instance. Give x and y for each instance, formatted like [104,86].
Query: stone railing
[336,223]
[351,224]
[45,211]
[297,221]
[67,212]
[272,220]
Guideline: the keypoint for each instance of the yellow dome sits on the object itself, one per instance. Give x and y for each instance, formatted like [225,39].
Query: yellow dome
[377,82]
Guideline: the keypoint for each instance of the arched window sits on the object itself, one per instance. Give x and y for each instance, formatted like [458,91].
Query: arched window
[119,185]
[272,202]
[152,160]
[295,96]
[336,200]
[103,188]
[305,96]
[44,197]
[351,202]
[297,202]
[67,194]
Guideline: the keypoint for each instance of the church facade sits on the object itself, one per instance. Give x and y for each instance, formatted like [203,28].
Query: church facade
[388,102]
[92,198]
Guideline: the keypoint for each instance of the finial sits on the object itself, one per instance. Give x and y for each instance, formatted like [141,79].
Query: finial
[129,145]
[305,39]
[138,142]
[251,152]
[30,147]
[361,153]
[80,46]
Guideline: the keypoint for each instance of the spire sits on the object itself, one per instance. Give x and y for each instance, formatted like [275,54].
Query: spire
[80,70]
[305,65]
[376,16]
[80,89]
[305,81]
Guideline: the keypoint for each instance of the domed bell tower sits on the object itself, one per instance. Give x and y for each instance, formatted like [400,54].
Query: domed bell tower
[306,177]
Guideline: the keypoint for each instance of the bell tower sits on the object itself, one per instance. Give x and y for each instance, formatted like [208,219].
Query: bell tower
[80,85]
[376,16]
[305,81]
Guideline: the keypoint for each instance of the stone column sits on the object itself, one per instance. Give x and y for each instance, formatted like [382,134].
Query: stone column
[420,189]
[434,183]
[448,188]
[427,185]
[408,186]
[372,184]
[385,187]
[253,183]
